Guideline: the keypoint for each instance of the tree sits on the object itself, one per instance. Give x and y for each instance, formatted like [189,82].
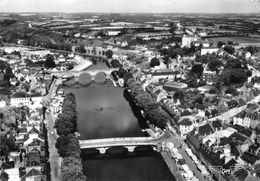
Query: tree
[179,94]
[71,169]
[109,54]
[80,49]
[230,43]
[127,77]
[49,62]
[233,76]
[173,28]
[68,146]
[158,118]
[252,49]
[8,74]
[64,126]
[154,62]
[197,69]
[232,91]
[213,91]
[137,90]
[121,72]
[229,49]
[215,65]
[115,63]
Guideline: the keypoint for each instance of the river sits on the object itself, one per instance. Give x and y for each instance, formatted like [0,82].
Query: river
[104,112]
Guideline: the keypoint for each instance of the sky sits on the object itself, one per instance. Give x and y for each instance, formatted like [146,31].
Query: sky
[131,6]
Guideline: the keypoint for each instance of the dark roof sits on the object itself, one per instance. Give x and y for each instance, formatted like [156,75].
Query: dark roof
[163,72]
[200,106]
[32,172]
[185,121]
[4,176]
[245,131]
[232,103]
[22,130]
[216,124]
[207,113]
[252,106]
[185,113]
[241,174]
[241,102]
[34,130]
[235,151]
[235,139]
[250,158]
[35,94]
[255,146]
[19,94]
[229,164]
[7,165]
[253,115]
[205,130]
[215,112]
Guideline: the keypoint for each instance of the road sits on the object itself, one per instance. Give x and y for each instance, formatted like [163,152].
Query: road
[232,112]
[54,157]
[179,142]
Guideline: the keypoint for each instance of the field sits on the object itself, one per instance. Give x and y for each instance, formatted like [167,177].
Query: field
[233,39]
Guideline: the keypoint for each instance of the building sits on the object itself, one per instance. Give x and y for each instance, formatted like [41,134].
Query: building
[162,74]
[32,101]
[153,36]
[209,50]
[187,40]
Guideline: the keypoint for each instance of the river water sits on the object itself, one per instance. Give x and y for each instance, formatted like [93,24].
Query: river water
[105,112]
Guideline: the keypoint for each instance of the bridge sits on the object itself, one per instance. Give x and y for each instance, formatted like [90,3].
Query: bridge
[77,74]
[130,143]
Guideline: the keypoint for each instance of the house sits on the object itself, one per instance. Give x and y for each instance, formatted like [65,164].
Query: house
[239,119]
[162,74]
[252,119]
[205,130]
[185,126]
[215,113]
[187,40]
[32,101]
[255,149]
[173,86]
[13,174]
[160,94]
[208,114]
[32,173]
[232,104]
[241,102]
[205,88]
[250,158]
[209,50]
[4,176]
[217,125]
[243,130]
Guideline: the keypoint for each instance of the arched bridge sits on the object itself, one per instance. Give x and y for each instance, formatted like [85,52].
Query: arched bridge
[77,74]
[130,143]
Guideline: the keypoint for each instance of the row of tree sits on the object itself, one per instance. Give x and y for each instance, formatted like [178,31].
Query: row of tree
[67,144]
[153,112]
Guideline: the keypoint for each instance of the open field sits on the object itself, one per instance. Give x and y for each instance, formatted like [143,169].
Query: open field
[234,39]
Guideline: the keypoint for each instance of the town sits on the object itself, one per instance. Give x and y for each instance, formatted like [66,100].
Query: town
[194,81]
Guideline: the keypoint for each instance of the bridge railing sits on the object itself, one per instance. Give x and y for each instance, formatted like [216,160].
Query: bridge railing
[132,139]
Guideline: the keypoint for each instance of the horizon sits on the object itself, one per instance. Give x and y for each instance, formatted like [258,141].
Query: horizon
[131,6]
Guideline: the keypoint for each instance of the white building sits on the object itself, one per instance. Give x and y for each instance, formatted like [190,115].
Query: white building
[32,101]
[209,50]
[188,39]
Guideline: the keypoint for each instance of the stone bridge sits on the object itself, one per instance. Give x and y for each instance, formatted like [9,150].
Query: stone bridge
[130,143]
[77,74]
